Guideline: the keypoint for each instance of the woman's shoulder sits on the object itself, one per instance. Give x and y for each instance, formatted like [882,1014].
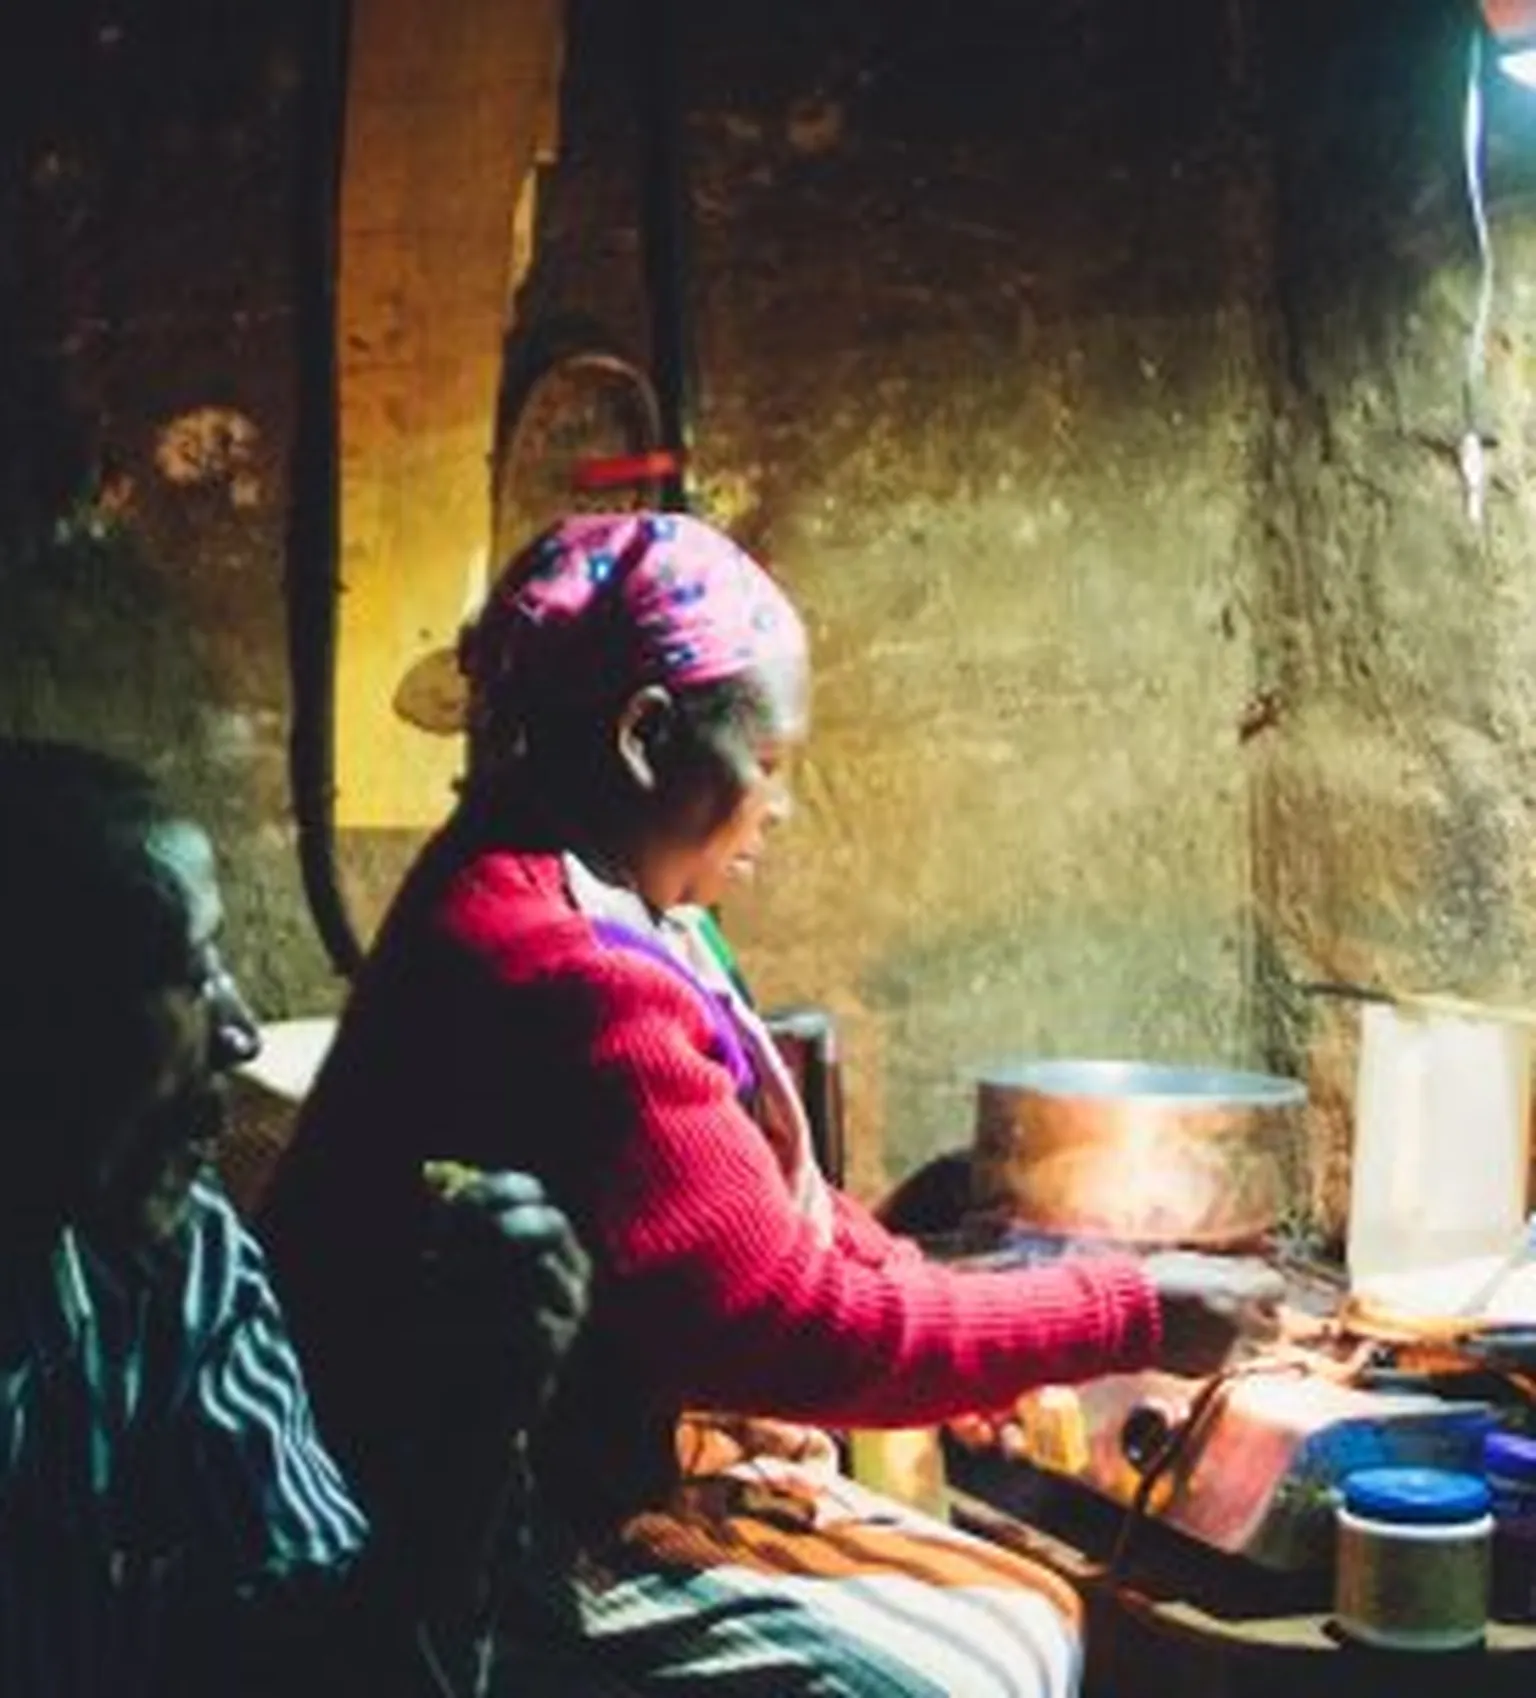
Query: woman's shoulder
[508,909]
[514,911]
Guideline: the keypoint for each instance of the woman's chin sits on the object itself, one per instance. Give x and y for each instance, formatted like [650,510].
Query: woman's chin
[743,870]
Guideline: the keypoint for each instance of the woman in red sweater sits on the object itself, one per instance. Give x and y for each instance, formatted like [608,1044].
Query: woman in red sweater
[544,997]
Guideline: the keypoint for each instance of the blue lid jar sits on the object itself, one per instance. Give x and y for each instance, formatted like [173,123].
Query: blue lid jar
[1511,1458]
[1416,1497]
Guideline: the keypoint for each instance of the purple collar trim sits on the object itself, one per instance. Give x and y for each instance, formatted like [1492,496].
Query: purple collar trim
[726,1044]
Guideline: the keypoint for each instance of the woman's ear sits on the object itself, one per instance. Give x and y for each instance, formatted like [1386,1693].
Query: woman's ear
[643,729]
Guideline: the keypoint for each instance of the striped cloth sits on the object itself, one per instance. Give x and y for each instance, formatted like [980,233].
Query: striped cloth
[156,1451]
[771,1574]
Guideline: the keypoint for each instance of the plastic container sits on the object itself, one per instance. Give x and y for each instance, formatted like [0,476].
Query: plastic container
[1509,1467]
[1441,1153]
[1415,1550]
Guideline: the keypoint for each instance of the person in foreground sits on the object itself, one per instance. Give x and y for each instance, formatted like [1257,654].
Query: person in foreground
[170,1522]
[547,994]
[164,1498]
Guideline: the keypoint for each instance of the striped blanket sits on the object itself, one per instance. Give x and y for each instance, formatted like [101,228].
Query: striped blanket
[768,1573]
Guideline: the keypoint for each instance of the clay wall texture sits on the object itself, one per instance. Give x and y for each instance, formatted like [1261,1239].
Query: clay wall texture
[1093,374]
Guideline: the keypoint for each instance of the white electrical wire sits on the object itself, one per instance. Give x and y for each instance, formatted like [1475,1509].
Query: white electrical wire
[1473,463]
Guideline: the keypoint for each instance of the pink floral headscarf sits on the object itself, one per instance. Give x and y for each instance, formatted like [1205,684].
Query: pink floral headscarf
[604,604]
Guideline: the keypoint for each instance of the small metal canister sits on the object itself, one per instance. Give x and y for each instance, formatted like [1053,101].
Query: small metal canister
[1509,1466]
[1415,1559]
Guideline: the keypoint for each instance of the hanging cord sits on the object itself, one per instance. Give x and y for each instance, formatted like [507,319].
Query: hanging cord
[511,1523]
[1474,441]
[313,543]
[505,1550]
[666,219]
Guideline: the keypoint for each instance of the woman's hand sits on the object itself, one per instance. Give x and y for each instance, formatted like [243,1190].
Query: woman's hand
[1210,1305]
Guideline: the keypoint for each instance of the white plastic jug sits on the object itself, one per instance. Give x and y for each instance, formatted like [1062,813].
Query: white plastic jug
[1442,1147]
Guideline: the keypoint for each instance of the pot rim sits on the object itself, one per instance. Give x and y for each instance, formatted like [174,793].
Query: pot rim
[1164,1084]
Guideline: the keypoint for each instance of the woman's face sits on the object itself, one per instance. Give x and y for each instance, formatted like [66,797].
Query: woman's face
[711,811]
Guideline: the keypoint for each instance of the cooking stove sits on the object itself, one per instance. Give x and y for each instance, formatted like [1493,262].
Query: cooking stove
[1250,1467]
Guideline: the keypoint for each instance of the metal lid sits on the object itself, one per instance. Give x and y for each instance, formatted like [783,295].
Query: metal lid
[1415,1496]
[1510,1456]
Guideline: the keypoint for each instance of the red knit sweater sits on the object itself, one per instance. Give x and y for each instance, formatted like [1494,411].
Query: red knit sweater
[494,1025]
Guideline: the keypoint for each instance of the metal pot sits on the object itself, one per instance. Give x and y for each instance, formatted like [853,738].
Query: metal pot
[1136,1151]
